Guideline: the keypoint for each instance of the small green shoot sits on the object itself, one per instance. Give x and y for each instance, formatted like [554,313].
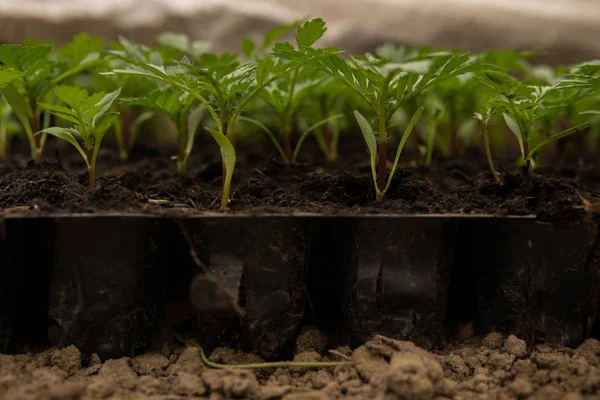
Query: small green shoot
[90,119]
[179,106]
[522,106]
[484,119]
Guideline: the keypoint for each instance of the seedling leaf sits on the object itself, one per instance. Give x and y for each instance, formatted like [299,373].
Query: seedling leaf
[560,135]
[369,136]
[411,125]
[229,158]
[310,32]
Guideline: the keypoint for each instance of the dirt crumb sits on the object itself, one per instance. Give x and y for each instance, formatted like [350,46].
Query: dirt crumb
[478,368]
[515,346]
[311,339]
[231,383]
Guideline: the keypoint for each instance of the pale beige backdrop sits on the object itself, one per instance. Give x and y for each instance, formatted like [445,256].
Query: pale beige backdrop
[568,29]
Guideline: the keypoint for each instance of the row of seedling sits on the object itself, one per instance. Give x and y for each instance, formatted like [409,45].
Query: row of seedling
[289,92]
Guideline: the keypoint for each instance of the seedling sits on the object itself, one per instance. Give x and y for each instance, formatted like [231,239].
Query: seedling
[90,117]
[29,73]
[484,119]
[223,85]
[385,86]
[522,106]
[179,106]
[8,127]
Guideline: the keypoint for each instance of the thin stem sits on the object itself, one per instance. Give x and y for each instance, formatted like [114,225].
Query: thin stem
[431,131]
[488,151]
[276,364]
[382,141]
[35,140]
[527,166]
[287,144]
[91,166]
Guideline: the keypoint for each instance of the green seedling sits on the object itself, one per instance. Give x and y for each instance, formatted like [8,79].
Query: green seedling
[90,119]
[185,118]
[523,105]
[386,86]
[222,84]
[8,127]
[484,119]
[28,73]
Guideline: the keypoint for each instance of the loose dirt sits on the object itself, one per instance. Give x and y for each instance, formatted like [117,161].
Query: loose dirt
[469,367]
[148,184]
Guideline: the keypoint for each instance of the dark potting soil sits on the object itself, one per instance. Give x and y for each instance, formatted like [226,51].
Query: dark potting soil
[148,183]
[468,368]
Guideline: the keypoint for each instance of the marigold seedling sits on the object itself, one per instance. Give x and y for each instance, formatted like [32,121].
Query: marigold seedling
[523,105]
[90,119]
[29,72]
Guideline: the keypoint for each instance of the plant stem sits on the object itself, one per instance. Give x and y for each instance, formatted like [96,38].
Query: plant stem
[488,151]
[275,364]
[430,139]
[91,161]
[36,140]
[527,167]
[181,143]
[287,143]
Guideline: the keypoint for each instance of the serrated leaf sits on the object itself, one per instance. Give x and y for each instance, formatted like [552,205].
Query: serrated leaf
[83,48]
[310,32]
[21,57]
[72,96]
[132,49]
[370,140]
[8,76]
[102,106]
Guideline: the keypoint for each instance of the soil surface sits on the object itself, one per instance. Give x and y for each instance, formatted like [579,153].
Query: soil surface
[469,367]
[148,183]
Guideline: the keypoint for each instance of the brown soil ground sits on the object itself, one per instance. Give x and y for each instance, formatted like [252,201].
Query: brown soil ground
[469,367]
[148,183]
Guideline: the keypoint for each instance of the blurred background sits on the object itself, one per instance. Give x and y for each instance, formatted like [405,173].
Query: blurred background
[567,30]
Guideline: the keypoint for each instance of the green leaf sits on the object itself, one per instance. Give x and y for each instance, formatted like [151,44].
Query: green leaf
[370,140]
[194,119]
[310,129]
[275,34]
[22,57]
[411,125]
[135,127]
[229,158]
[310,32]
[269,134]
[8,76]
[72,96]
[184,44]
[248,47]
[516,129]
[101,107]
[560,135]
[20,106]
[66,134]
[132,49]
[81,47]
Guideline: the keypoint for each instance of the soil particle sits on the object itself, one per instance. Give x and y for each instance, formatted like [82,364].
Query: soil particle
[67,359]
[515,346]
[150,364]
[492,340]
[383,369]
[311,339]
[187,384]
[238,383]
